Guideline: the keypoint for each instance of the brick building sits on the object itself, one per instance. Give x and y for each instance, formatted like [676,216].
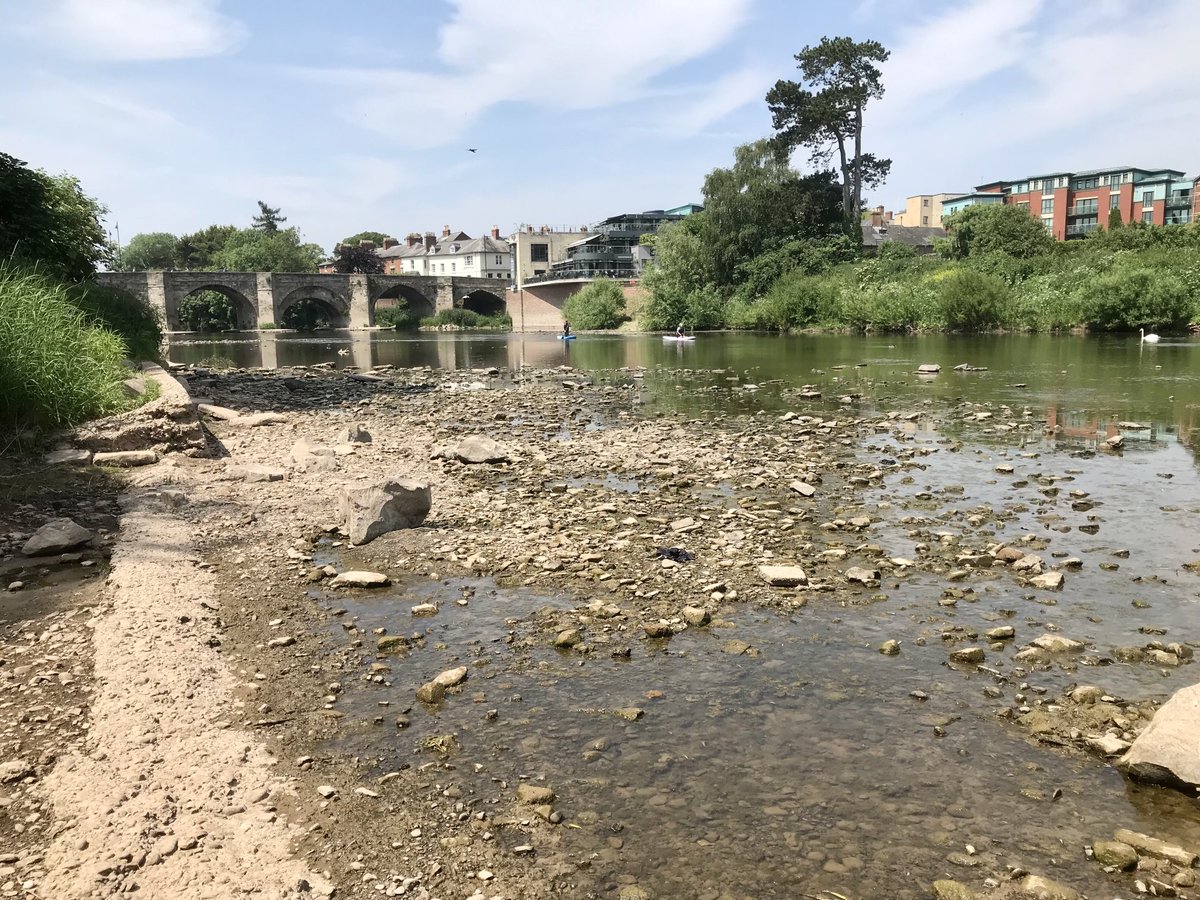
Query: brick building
[1074,204]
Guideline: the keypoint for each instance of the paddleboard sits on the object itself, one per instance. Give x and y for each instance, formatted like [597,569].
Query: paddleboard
[675,337]
[566,337]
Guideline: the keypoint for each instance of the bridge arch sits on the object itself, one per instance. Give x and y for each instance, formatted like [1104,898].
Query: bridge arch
[484,302]
[332,301]
[244,313]
[403,295]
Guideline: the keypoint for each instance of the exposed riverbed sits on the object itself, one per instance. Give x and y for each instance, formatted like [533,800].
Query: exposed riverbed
[772,751]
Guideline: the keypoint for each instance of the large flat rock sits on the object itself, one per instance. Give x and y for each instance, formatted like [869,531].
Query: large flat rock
[56,536]
[1168,751]
[382,507]
[783,576]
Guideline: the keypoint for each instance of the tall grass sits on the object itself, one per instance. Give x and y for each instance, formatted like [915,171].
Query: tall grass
[55,368]
[138,324]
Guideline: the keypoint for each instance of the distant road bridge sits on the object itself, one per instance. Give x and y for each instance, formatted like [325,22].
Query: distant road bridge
[262,298]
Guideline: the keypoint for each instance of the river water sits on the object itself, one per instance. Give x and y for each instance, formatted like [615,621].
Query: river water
[811,767]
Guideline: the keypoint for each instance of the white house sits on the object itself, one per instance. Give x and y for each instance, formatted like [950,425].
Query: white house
[452,254]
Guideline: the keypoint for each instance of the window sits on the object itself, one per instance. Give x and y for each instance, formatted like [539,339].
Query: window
[499,259]
[925,201]
[539,253]
[1088,207]
[453,267]
[1049,223]
[1114,200]
[443,265]
[1086,183]
[467,260]
[1148,216]
[1048,206]
[1147,198]
[924,220]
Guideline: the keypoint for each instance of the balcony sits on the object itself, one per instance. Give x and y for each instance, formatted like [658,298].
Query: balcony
[1075,230]
[1083,211]
[1185,200]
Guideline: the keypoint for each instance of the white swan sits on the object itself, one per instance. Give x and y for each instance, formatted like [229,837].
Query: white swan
[1148,338]
[344,352]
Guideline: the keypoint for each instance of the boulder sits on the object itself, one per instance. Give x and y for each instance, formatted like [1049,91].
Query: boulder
[1168,750]
[1115,853]
[928,369]
[386,506]
[803,488]
[1152,846]
[861,575]
[360,579]
[534,795]
[56,536]
[125,458]
[783,576]
[308,457]
[967,655]
[1051,581]
[356,434]
[479,449]
[431,692]
[1056,643]
[451,677]
[696,616]
[70,457]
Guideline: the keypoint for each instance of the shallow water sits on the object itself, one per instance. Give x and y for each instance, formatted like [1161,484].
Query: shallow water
[810,766]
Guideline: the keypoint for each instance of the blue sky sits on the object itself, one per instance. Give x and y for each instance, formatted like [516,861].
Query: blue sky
[178,114]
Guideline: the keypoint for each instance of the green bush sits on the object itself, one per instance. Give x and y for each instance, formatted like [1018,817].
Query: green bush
[795,300]
[466,318]
[399,317]
[971,301]
[1139,298]
[137,323]
[600,304]
[897,306]
[55,368]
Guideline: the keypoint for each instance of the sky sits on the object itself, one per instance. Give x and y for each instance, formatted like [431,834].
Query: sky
[178,114]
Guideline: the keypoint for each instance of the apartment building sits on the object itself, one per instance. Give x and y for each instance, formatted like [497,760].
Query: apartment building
[1074,204]
[923,210]
[454,253]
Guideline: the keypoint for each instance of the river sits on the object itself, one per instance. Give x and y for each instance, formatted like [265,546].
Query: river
[813,767]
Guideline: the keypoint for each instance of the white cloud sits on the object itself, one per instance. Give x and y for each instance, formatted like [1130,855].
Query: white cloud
[554,55]
[135,29]
[716,101]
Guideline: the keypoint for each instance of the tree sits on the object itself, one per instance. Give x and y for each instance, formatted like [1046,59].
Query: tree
[761,203]
[49,222]
[995,228]
[153,250]
[268,218]
[248,250]
[601,304]
[352,258]
[200,250]
[828,115]
[377,237]
[1114,219]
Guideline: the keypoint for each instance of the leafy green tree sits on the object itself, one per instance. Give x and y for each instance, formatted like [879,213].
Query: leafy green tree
[378,237]
[827,115]
[248,250]
[1114,219]
[307,315]
[268,218]
[1136,298]
[600,304]
[680,280]
[200,249]
[353,258]
[995,227]
[49,222]
[207,311]
[760,204]
[153,250]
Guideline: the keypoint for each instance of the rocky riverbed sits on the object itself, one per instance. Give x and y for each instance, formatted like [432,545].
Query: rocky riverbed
[629,655]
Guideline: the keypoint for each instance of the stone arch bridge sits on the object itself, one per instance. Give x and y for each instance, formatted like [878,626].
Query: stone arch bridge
[262,298]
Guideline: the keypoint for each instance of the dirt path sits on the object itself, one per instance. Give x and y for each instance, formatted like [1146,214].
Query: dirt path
[166,798]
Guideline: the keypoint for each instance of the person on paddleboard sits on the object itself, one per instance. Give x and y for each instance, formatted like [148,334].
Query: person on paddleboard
[679,330]
[566,328]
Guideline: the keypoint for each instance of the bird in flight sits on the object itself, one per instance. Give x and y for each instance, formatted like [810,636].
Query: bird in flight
[472,149]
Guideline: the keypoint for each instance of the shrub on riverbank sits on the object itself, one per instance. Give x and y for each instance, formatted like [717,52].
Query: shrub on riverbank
[599,305]
[134,320]
[466,318]
[399,317]
[55,368]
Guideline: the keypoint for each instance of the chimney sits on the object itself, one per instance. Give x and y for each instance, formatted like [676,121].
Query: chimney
[529,229]
[366,245]
[583,229]
[445,231]
[412,238]
[430,240]
[877,216]
[389,243]
[496,232]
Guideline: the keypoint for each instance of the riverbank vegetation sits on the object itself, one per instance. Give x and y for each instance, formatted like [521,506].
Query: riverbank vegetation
[777,250]
[62,337]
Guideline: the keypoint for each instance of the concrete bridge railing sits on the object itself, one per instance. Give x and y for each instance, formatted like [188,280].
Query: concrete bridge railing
[262,298]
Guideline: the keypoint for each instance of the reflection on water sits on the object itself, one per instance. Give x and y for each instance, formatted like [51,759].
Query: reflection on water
[1080,388]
